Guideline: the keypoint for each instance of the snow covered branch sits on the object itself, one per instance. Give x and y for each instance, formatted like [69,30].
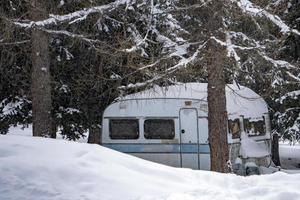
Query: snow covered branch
[74,16]
[249,7]
[14,43]
[278,63]
[292,94]
[70,34]
[230,49]
[184,62]
[293,76]
[194,6]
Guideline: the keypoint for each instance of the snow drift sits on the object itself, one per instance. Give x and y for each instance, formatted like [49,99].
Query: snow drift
[39,168]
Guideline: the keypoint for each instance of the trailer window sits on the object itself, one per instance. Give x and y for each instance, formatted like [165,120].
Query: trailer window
[234,128]
[159,129]
[124,129]
[255,128]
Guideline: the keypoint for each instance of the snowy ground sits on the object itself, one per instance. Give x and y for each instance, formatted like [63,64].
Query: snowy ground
[289,154]
[27,131]
[39,168]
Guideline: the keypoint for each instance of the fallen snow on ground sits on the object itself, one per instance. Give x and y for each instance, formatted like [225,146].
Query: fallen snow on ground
[27,131]
[40,169]
[20,130]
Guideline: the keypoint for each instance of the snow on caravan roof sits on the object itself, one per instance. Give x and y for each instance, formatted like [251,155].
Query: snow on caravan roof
[240,100]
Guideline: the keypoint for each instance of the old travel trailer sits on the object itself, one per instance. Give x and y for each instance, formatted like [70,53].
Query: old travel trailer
[169,125]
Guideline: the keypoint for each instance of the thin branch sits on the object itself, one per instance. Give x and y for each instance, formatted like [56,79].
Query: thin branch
[293,76]
[278,63]
[74,16]
[248,98]
[14,43]
[249,7]
[70,34]
[181,64]
[194,6]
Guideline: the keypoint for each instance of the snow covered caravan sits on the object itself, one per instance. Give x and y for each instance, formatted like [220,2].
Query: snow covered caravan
[169,125]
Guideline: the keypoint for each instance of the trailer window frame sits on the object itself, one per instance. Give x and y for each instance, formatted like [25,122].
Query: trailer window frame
[136,130]
[254,126]
[234,122]
[155,136]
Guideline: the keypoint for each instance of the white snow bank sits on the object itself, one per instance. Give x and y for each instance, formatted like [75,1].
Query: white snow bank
[27,131]
[20,130]
[39,168]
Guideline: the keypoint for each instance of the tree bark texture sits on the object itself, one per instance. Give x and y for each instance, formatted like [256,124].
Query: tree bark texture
[94,135]
[41,78]
[275,150]
[217,115]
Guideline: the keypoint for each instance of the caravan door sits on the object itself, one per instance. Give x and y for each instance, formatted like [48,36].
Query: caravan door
[189,138]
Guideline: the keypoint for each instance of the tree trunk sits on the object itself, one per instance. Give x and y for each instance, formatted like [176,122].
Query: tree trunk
[275,150]
[41,78]
[54,129]
[94,135]
[95,98]
[217,115]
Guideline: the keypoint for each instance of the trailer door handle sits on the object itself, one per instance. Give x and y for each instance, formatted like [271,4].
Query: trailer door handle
[182,131]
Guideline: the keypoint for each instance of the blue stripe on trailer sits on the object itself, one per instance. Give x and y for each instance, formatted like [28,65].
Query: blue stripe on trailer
[193,148]
[159,148]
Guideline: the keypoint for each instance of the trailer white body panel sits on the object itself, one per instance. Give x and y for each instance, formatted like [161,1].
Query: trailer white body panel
[169,125]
